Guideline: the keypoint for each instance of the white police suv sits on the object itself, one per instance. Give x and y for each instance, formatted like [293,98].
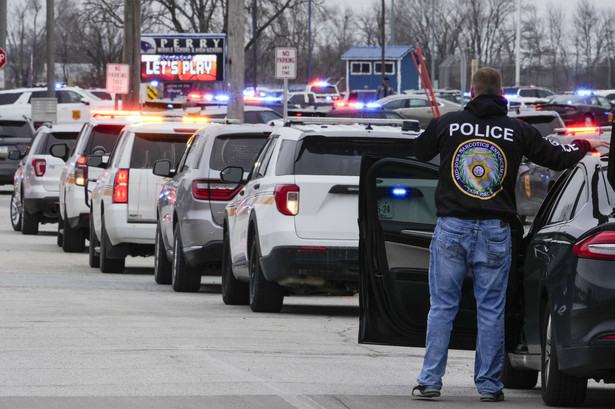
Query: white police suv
[123,203]
[293,227]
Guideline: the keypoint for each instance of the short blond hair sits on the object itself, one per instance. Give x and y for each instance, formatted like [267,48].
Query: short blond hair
[487,80]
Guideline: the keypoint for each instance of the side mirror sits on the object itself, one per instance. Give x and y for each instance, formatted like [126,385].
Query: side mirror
[233,174]
[59,150]
[411,125]
[85,101]
[97,161]
[15,155]
[162,168]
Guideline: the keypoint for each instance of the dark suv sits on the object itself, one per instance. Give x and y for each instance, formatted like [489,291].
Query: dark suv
[16,133]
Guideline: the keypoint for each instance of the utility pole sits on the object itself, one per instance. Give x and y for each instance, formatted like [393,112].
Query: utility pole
[518,47]
[309,61]
[3,31]
[236,58]
[51,50]
[254,45]
[132,52]
[392,23]
[432,45]
[382,34]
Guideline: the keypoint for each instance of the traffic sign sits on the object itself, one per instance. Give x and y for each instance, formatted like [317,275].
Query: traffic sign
[2,58]
[286,63]
[118,78]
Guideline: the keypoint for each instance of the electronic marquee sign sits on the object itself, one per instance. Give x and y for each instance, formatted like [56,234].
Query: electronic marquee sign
[183,57]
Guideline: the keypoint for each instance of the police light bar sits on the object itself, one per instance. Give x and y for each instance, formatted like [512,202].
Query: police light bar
[584,92]
[319,83]
[406,124]
[582,130]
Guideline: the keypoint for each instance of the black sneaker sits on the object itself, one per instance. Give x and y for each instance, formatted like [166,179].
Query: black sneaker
[425,391]
[492,396]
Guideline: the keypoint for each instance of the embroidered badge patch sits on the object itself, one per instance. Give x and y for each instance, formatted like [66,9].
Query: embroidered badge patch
[478,168]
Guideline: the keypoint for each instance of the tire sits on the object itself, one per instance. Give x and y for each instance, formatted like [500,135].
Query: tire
[514,378]
[29,223]
[265,296]
[15,215]
[162,265]
[234,292]
[558,389]
[94,256]
[109,265]
[184,279]
[73,240]
[60,235]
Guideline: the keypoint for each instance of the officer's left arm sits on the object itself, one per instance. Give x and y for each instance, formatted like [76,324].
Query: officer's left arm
[426,145]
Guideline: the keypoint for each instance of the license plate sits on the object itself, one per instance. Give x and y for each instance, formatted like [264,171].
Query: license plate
[385,209]
[4,150]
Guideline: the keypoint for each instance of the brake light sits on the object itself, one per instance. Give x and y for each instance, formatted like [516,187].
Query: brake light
[206,189]
[81,171]
[120,187]
[600,245]
[287,199]
[40,166]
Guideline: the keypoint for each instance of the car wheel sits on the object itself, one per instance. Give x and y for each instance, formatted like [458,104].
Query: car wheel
[73,240]
[234,292]
[15,215]
[94,256]
[514,378]
[589,120]
[265,296]
[184,279]
[107,264]
[558,389]
[29,223]
[162,265]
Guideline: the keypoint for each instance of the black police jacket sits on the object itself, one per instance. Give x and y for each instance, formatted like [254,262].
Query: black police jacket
[480,151]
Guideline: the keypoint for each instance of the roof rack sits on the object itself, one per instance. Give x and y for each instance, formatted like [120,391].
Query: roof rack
[405,124]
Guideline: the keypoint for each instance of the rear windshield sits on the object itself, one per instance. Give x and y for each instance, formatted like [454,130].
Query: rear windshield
[236,151]
[103,138]
[15,129]
[567,99]
[148,148]
[68,138]
[545,124]
[9,98]
[318,155]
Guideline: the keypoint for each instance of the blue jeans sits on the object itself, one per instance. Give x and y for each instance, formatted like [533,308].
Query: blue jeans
[485,247]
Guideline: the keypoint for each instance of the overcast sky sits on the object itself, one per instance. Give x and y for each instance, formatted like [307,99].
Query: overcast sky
[568,4]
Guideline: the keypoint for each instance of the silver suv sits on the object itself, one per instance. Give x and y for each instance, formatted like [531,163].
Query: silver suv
[36,188]
[191,205]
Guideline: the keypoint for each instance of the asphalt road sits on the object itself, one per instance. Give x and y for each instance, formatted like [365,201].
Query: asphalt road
[73,337]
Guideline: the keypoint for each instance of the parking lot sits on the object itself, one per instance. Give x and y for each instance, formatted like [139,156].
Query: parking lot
[73,337]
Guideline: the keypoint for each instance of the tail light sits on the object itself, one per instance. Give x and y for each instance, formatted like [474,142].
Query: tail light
[40,166]
[287,199]
[207,189]
[600,245]
[81,171]
[120,187]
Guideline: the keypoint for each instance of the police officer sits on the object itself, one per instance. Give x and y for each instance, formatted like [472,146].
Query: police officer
[480,151]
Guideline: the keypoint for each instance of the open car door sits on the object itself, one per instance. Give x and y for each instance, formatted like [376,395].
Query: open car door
[397,218]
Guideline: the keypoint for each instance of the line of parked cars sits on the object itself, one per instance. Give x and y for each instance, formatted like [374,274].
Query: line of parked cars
[273,210]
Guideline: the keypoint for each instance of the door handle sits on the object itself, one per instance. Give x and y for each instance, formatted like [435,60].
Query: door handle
[256,186]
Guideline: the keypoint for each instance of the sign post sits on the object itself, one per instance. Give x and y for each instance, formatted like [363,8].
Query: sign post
[118,80]
[285,68]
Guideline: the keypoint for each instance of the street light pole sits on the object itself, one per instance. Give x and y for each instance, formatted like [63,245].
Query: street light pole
[51,48]
[382,33]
